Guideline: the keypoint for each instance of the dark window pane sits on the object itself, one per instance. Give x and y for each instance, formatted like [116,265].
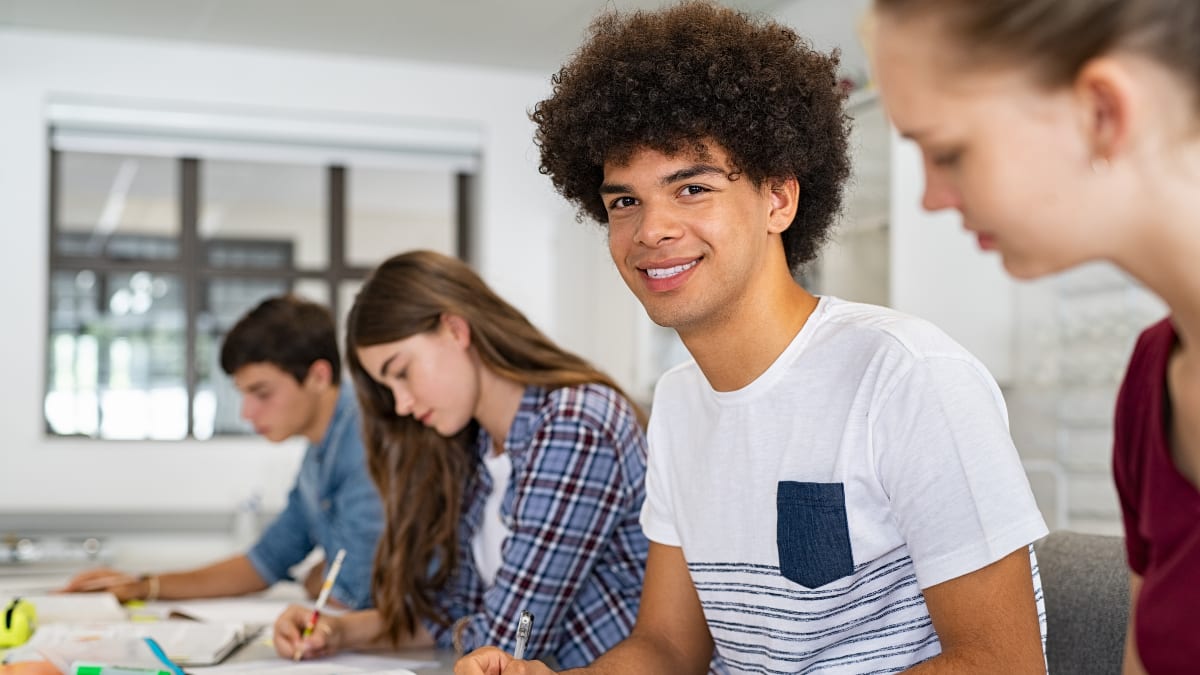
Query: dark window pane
[248,254]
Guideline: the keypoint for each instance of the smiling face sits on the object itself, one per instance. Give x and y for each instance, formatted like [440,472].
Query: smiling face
[432,376]
[1013,157]
[689,241]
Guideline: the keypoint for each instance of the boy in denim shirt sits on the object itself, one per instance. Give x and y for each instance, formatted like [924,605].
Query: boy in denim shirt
[283,357]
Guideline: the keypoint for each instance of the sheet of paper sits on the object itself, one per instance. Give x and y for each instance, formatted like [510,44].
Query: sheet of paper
[276,668]
[63,643]
[380,663]
[349,662]
[330,666]
[76,607]
[248,611]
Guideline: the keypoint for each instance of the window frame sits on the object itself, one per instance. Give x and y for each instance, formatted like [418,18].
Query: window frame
[195,273]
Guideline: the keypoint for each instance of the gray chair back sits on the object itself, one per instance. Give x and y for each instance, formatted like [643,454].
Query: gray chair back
[1085,582]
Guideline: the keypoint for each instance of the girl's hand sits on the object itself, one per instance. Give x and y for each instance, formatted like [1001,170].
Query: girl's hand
[325,640]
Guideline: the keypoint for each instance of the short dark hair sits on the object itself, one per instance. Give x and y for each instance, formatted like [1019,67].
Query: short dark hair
[670,80]
[285,331]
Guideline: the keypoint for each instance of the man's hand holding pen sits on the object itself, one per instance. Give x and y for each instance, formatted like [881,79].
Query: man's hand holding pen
[495,661]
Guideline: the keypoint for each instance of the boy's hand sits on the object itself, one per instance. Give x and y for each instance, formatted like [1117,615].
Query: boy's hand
[493,661]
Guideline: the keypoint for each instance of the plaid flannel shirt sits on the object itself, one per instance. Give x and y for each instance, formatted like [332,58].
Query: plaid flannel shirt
[575,555]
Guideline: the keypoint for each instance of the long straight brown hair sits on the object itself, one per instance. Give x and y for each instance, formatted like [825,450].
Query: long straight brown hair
[421,475]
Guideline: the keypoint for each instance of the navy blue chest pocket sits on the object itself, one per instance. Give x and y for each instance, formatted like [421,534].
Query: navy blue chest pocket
[812,534]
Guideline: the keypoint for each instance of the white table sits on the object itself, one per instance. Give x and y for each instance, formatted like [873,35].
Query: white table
[257,655]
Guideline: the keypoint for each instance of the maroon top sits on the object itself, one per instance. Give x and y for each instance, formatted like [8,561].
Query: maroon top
[1161,510]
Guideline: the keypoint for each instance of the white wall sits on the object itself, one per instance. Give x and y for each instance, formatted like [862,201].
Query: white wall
[939,273]
[1075,332]
[829,24]
[516,210]
[599,318]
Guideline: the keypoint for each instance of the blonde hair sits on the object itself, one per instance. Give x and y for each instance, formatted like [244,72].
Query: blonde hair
[1055,38]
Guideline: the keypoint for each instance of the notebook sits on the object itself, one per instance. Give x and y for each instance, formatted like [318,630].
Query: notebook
[192,643]
[247,611]
[187,643]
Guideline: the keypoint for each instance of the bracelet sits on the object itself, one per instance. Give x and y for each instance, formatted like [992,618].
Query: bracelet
[457,633]
[151,586]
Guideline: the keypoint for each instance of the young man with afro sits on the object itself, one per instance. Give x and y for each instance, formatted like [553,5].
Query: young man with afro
[832,486]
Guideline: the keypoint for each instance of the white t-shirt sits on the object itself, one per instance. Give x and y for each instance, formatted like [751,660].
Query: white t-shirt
[492,532]
[870,461]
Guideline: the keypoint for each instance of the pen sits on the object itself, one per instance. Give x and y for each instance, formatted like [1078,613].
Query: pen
[524,625]
[172,667]
[322,598]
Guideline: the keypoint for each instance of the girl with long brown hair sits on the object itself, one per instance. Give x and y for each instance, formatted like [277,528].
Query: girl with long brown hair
[1068,131]
[511,471]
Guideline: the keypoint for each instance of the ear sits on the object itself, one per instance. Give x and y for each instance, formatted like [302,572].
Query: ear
[458,329]
[1105,90]
[320,373]
[784,196]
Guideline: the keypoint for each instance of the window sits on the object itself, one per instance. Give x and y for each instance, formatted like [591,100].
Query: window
[157,247]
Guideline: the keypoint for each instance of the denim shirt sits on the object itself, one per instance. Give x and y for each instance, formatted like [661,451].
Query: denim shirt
[334,505]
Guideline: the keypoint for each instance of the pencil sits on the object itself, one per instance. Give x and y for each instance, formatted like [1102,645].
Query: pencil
[322,598]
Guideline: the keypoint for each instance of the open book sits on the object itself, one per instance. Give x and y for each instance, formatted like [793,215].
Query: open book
[187,643]
[251,612]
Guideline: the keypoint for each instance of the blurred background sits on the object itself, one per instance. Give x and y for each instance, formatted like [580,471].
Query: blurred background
[165,165]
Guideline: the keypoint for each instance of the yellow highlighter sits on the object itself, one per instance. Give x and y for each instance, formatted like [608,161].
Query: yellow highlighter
[17,623]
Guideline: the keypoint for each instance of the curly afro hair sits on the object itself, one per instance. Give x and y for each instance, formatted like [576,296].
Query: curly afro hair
[674,79]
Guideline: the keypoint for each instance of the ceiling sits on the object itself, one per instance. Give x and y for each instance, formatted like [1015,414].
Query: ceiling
[526,34]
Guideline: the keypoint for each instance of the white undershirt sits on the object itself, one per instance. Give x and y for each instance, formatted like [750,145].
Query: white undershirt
[492,531]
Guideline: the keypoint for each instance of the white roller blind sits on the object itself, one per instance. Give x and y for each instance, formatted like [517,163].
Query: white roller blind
[349,140]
